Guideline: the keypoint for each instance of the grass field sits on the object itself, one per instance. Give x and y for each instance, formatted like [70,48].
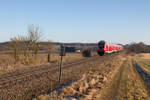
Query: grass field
[144,64]
[143,61]
[7,61]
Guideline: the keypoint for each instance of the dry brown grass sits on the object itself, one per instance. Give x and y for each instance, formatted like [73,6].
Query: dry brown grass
[7,62]
[143,60]
[143,55]
[144,64]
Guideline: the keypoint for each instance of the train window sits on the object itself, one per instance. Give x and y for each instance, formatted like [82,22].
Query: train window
[101,44]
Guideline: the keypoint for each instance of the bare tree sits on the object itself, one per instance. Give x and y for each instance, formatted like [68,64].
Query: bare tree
[34,36]
[32,42]
[15,45]
[28,45]
[138,48]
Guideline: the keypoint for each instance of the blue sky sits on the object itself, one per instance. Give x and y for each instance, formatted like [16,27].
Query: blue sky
[117,21]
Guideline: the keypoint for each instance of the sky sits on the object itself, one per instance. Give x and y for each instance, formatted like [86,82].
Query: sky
[116,21]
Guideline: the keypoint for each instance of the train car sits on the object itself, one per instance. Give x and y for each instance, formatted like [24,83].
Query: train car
[103,47]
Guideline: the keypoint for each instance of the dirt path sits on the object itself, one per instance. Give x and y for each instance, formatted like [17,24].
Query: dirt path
[126,84]
[110,90]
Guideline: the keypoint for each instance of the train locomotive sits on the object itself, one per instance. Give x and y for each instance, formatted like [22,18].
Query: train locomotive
[104,48]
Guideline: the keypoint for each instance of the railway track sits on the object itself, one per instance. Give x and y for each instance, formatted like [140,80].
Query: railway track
[11,80]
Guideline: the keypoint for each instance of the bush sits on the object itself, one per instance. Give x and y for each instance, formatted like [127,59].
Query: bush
[138,48]
[86,53]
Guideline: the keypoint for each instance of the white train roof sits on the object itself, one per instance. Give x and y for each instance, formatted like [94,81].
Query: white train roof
[111,43]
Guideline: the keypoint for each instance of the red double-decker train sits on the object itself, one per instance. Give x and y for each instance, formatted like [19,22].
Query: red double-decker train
[103,47]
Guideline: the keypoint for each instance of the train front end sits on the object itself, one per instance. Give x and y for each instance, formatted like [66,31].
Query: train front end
[101,48]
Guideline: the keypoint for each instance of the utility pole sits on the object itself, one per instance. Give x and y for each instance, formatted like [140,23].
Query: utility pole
[62,53]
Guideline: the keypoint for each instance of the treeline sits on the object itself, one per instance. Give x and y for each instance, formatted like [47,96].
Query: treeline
[25,48]
[138,48]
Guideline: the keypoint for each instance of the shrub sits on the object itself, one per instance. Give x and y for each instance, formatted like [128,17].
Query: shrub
[86,53]
[138,48]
